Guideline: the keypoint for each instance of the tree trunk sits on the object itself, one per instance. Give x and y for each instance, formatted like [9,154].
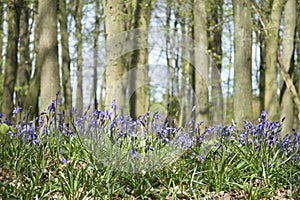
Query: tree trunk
[201,62]
[271,101]
[1,37]
[66,78]
[24,69]
[114,12]
[297,43]
[48,52]
[266,9]
[32,98]
[287,106]
[93,100]
[140,99]
[169,59]
[102,92]
[242,106]
[215,44]
[1,49]
[78,25]
[184,66]
[11,62]
[191,68]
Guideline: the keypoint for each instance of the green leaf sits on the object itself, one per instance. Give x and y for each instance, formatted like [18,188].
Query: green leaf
[4,128]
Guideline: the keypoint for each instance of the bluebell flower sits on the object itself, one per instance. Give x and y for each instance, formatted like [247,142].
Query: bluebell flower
[194,108]
[113,105]
[273,125]
[16,111]
[193,190]
[134,153]
[242,142]
[165,140]
[270,165]
[11,134]
[63,161]
[51,107]
[263,115]
[202,158]
[74,111]
[36,142]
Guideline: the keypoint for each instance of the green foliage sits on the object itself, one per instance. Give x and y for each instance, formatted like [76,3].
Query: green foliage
[60,167]
[4,129]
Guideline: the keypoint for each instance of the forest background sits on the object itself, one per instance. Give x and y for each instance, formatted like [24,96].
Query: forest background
[230,58]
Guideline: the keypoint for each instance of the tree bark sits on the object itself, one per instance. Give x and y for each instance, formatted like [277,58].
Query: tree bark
[11,62]
[114,12]
[48,52]
[169,59]
[271,101]
[201,62]
[78,25]
[140,99]
[215,45]
[242,106]
[266,9]
[1,50]
[1,38]
[287,108]
[290,85]
[24,69]
[93,100]
[297,47]
[32,98]
[184,66]
[66,78]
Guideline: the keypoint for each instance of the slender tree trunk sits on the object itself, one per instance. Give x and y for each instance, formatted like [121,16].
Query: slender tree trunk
[78,25]
[191,75]
[101,105]
[229,96]
[140,80]
[93,100]
[66,78]
[102,92]
[48,52]
[11,62]
[1,49]
[184,66]
[1,37]
[287,106]
[114,12]
[24,69]
[201,62]
[266,9]
[271,101]
[32,97]
[262,69]
[169,59]
[297,46]
[215,45]
[242,105]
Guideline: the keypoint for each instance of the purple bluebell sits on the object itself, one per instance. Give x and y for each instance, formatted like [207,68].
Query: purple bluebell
[16,111]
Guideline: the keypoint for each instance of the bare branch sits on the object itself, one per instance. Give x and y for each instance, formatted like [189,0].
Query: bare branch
[261,16]
[289,84]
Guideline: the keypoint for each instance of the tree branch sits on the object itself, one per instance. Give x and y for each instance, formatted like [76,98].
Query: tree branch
[289,84]
[261,17]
